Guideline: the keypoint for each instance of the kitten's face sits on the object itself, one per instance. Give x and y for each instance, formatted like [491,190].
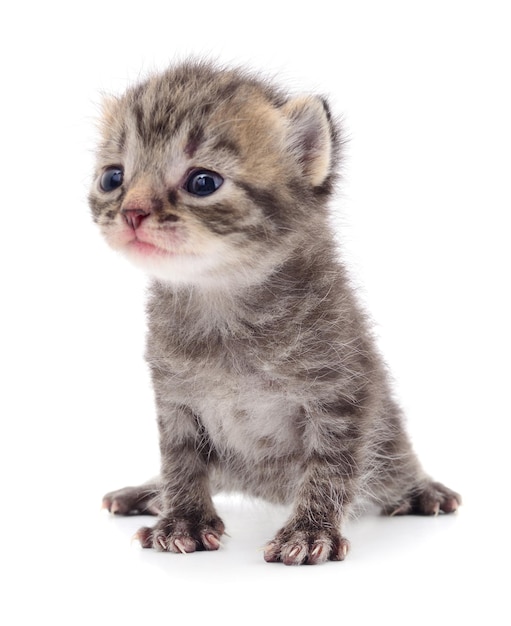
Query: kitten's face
[200,175]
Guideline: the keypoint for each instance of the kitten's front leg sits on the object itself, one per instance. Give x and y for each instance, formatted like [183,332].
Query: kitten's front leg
[189,521]
[313,533]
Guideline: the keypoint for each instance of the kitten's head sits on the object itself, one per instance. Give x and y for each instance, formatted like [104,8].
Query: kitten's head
[206,175]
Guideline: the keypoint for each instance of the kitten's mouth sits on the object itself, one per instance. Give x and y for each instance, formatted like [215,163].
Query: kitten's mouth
[147,248]
[143,247]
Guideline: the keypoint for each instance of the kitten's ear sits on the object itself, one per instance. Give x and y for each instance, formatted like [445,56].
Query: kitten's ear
[109,109]
[310,136]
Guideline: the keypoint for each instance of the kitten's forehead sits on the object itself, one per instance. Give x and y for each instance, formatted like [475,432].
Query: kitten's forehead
[195,104]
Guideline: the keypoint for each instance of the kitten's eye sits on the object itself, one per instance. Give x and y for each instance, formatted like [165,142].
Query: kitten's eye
[203,182]
[111,179]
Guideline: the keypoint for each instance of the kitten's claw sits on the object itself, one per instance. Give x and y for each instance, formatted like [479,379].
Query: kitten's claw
[316,551]
[180,546]
[211,541]
[294,552]
[344,546]
[162,542]
[294,555]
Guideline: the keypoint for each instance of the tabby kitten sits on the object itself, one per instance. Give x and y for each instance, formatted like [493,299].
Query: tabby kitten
[266,377]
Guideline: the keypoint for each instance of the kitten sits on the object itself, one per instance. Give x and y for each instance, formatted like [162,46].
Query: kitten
[266,376]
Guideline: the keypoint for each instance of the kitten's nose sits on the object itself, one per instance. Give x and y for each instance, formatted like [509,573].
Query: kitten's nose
[134,217]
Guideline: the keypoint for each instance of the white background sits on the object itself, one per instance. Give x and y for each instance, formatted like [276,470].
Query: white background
[423,88]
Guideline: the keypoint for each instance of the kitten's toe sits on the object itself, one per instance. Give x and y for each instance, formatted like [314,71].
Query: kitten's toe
[144,536]
[294,552]
[118,505]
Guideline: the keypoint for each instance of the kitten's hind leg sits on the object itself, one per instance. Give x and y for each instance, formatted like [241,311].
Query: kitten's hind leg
[427,499]
[141,500]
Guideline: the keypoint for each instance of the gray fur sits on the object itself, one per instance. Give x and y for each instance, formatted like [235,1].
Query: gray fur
[266,375]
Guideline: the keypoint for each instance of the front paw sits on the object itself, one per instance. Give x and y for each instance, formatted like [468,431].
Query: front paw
[295,546]
[181,534]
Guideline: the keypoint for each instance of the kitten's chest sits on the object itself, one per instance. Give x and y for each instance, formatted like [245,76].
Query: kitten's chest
[250,415]
[243,408]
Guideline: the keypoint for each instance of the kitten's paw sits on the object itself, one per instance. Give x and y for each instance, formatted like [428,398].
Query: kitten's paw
[299,547]
[182,535]
[142,500]
[429,500]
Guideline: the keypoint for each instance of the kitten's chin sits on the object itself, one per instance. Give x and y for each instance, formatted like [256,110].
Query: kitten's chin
[173,260]
[174,267]
[216,270]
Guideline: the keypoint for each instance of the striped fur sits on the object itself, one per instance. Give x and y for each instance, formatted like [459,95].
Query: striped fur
[265,372]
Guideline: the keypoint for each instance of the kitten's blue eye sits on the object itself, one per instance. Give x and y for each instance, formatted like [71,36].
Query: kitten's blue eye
[203,182]
[111,179]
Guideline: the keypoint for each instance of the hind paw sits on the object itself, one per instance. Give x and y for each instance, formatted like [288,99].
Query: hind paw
[428,500]
[142,500]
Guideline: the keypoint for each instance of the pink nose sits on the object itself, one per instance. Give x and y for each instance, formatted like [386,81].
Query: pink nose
[134,217]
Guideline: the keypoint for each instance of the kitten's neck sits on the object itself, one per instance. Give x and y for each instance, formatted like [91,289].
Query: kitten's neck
[305,275]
